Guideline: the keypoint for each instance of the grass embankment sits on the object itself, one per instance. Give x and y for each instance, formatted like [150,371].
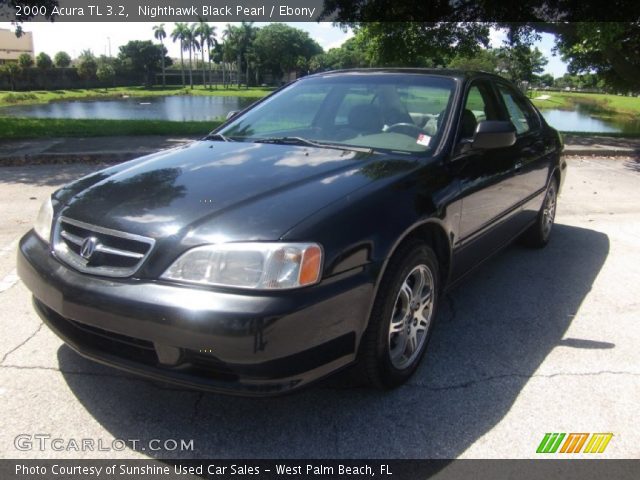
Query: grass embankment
[599,104]
[45,96]
[17,128]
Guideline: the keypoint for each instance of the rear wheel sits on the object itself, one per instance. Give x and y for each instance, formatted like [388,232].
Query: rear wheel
[537,236]
[402,317]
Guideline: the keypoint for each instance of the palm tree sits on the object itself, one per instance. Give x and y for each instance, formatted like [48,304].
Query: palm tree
[231,49]
[206,36]
[191,42]
[180,33]
[218,58]
[160,34]
[247,36]
[238,42]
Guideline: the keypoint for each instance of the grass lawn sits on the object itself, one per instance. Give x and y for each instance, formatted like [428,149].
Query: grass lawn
[44,96]
[14,128]
[602,104]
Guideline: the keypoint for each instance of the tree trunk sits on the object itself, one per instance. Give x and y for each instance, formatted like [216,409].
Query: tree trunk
[204,73]
[182,61]
[164,82]
[190,67]
[238,69]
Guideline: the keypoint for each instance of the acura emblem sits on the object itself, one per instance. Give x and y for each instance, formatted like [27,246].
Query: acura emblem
[88,247]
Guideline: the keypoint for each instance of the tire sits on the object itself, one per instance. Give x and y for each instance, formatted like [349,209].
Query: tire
[386,359]
[537,236]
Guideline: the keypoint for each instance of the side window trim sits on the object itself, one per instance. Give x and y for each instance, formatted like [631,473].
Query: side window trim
[505,111]
[485,88]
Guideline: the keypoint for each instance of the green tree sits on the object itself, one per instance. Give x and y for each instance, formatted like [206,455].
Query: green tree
[279,48]
[160,34]
[485,60]
[217,55]
[12,71]
[106,73]
[545,80]
[611,50]
[192,45]
[43,61]
[520,62]
[142,58]
[180,33]
[246,36]
[87,66]
[206,35]
[412,44]
[62,60]
[25,60]
[351,54]
[229,52]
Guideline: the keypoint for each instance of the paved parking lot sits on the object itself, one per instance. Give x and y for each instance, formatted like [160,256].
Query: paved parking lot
[534,342]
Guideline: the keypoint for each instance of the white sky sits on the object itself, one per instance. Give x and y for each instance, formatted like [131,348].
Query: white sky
[74,37]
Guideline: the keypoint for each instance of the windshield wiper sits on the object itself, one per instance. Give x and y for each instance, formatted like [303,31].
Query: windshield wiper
[218,137]
[312,143]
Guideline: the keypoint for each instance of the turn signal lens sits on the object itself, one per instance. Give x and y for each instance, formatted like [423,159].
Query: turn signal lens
[310,269]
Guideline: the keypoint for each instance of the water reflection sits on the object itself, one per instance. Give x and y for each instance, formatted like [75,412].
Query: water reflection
[175,108]
[584,119]
[181,108]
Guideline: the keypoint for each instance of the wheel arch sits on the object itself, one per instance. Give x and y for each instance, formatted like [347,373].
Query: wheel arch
[434,233]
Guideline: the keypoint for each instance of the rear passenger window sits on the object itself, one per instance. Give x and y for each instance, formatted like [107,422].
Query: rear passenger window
[521,115]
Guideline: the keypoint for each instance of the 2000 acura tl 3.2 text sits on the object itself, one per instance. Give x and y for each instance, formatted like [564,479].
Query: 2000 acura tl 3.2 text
[314,230]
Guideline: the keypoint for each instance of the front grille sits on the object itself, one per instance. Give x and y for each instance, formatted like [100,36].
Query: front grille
[98,250]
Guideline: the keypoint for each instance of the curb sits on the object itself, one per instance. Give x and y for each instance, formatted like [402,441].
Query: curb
[599,152]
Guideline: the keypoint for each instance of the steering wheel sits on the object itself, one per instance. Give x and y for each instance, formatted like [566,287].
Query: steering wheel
[404,127]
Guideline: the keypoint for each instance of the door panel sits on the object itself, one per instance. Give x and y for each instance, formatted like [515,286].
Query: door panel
[534,159]
[488,190]
[485,175]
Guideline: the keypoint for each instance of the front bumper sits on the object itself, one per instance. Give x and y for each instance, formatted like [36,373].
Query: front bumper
[243,343]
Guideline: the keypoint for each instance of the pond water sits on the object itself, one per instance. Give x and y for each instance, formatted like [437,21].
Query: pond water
[204,108]
[176,108]
[584,119]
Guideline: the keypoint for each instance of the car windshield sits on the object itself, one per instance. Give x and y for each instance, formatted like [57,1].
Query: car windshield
[395,112]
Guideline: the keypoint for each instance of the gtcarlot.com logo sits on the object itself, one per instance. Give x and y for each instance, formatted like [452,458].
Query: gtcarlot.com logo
[574,442]
[26,442]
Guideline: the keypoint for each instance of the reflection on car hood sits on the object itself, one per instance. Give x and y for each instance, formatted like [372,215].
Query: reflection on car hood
[247,190]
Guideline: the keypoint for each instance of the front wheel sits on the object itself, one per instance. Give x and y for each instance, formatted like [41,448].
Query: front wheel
[402,317]
[537,236]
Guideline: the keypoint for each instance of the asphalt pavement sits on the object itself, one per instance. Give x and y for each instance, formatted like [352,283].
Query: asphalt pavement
[535,341]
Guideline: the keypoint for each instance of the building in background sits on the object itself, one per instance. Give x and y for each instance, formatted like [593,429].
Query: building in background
[11,47]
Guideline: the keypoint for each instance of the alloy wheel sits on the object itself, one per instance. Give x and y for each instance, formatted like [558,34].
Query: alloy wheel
[549,210]
[411,317]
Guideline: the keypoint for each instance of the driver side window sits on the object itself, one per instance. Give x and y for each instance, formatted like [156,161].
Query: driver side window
[476,109]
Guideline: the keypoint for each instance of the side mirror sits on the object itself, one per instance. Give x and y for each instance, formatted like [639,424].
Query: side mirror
[231,114]
[494,134]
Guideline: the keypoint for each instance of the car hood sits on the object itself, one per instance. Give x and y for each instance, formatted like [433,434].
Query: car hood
[225,190]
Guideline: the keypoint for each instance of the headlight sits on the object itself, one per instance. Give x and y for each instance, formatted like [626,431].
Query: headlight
[43,221]
[260,266]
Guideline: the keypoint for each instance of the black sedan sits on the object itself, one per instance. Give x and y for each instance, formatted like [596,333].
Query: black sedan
[315,230]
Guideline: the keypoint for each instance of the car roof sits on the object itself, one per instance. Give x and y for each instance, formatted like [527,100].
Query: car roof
[442,72]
